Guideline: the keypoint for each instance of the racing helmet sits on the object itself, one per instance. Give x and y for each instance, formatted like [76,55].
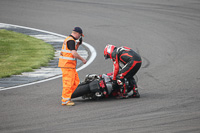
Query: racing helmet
[108,51]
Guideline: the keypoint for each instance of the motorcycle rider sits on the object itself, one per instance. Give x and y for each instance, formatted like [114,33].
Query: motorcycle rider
[126,64]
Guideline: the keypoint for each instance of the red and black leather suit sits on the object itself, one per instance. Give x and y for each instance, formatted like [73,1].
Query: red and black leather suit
[126,64]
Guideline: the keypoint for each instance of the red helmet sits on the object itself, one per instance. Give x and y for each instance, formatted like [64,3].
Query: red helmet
[108,51]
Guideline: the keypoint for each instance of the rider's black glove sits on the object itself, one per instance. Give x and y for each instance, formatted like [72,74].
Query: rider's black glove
[114,84]
[80,40]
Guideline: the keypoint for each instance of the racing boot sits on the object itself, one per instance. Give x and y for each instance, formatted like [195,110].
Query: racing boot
[122,95]
[135,93]
[133,85]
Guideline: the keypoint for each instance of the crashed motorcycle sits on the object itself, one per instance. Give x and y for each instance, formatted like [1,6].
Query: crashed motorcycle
[100,86]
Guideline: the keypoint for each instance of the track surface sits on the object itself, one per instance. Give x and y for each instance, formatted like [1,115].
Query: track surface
[167,35]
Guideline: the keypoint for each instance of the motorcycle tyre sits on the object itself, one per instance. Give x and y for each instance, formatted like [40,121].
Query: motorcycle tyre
[81,90]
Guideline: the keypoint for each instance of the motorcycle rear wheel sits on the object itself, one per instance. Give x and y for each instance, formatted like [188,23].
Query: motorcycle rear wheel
[82,89]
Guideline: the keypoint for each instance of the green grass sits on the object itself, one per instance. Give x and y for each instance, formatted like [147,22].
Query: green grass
[22,53]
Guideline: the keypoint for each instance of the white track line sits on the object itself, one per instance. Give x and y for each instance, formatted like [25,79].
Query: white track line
[92,57]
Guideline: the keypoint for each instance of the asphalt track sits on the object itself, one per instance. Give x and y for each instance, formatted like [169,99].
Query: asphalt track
[166,34]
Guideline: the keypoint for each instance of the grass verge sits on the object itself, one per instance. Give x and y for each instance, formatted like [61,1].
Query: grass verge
[22,53]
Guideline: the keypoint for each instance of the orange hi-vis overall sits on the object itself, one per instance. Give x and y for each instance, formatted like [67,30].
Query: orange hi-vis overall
[70,78]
